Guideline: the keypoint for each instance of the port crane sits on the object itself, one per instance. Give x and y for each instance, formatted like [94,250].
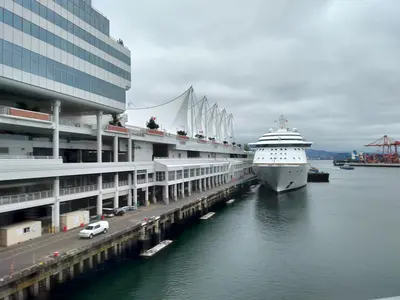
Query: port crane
[389,152]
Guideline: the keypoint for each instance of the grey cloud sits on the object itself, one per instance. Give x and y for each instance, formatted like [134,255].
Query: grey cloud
[331,66]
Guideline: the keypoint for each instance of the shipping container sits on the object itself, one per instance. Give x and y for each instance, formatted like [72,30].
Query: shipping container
[20,232]
[74,219]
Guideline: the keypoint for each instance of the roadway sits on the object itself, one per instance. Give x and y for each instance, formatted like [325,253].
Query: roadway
[26,254]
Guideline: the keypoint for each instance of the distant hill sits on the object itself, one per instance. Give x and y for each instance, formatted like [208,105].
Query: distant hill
[322,154]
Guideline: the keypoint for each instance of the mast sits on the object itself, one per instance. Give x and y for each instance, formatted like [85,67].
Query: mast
[282,122]
[192,113]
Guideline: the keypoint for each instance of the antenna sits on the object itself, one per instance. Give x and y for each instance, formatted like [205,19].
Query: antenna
[282,122]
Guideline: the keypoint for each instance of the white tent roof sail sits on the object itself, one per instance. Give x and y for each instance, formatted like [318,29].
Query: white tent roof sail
[188,114]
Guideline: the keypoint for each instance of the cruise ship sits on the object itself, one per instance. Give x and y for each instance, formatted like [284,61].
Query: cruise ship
[67,142]
[280,160]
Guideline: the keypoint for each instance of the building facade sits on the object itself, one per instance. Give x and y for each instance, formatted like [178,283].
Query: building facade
[62,77]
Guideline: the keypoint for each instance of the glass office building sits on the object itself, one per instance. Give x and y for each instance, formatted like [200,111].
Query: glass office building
[62,48]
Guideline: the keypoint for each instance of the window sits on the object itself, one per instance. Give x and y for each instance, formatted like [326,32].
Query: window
[35,30]
[26,230]
[26,26]
[8,17]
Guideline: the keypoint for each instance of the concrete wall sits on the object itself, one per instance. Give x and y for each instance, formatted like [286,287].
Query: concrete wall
[145,153]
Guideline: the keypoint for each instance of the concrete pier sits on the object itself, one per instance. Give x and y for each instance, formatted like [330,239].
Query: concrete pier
[143,229]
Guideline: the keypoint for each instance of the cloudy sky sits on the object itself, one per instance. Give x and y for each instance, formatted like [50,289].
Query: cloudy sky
[332,67]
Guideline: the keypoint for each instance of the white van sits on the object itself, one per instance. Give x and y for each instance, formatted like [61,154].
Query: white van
[95,228]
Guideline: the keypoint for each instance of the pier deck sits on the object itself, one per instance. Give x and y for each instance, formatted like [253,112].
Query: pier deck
[31,252]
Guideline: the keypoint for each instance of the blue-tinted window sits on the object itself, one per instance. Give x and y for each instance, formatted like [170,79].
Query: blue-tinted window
[26,64]
[35,30]
[42,11]
[57,41]
[18,22]
[1,14]
[8,17]
[35,7]
[96,20]
[42,34]
[50,38]
[17,61]
[26,26]
[26,3]
[25,60]
[19,2]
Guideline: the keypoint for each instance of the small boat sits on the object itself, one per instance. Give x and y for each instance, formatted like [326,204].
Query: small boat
[346,167]
[315,175]
[230,201]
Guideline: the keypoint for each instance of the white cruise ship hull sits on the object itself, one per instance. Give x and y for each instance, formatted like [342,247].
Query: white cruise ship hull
[281,177]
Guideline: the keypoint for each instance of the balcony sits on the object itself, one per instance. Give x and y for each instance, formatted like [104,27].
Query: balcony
[30,157]
[25,114]
[13,199]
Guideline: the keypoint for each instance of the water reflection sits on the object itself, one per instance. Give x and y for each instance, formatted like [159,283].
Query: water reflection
[280,212]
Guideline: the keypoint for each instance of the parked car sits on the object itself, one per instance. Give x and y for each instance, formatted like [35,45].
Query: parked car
[108,212]
[93,229]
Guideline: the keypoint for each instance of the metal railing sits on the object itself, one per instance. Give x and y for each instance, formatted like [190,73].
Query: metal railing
[108,185]
[123,183]
[72,123]
[78,189]
[9,156]
[140,181]
[12,199]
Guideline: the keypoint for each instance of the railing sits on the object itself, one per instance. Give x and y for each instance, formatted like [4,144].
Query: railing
[12,199]
[72,123]
[78,189]
[7,156]
[141,181]
[151,179]
[108,185]
[123,183]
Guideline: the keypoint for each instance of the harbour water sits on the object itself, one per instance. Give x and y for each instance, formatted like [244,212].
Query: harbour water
[337,240]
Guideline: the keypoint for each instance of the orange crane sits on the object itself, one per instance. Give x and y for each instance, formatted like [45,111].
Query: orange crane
[389,154]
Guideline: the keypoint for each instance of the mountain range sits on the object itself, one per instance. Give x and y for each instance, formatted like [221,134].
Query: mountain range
[322,154]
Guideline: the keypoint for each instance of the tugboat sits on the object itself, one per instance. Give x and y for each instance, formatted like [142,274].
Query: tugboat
[315,175]
[346,167]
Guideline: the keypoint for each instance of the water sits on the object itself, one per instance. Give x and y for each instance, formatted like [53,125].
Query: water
[337,240]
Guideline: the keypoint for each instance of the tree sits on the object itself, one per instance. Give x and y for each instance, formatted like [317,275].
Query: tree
[240,145]
[115,120]
[211,138]
[151,124]
[234,143]
[181,132]
[199,136]
[225,142]
[246,147]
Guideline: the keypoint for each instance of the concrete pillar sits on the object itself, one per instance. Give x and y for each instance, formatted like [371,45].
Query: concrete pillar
[190,188]
[90,260]
[61,276]
[175,192]
[154,199]
[166,196]
[115,148]
[99,136]
[134,174]
[130,189]
[56,131]
[146,196]
[182,190]
[71,271]
[106,254]
[56,210]
[35,289]
[129,149]
[20,295]
[116,253]
[100,195]
[135,196]
[199,185]
[81,266]
[116,195]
